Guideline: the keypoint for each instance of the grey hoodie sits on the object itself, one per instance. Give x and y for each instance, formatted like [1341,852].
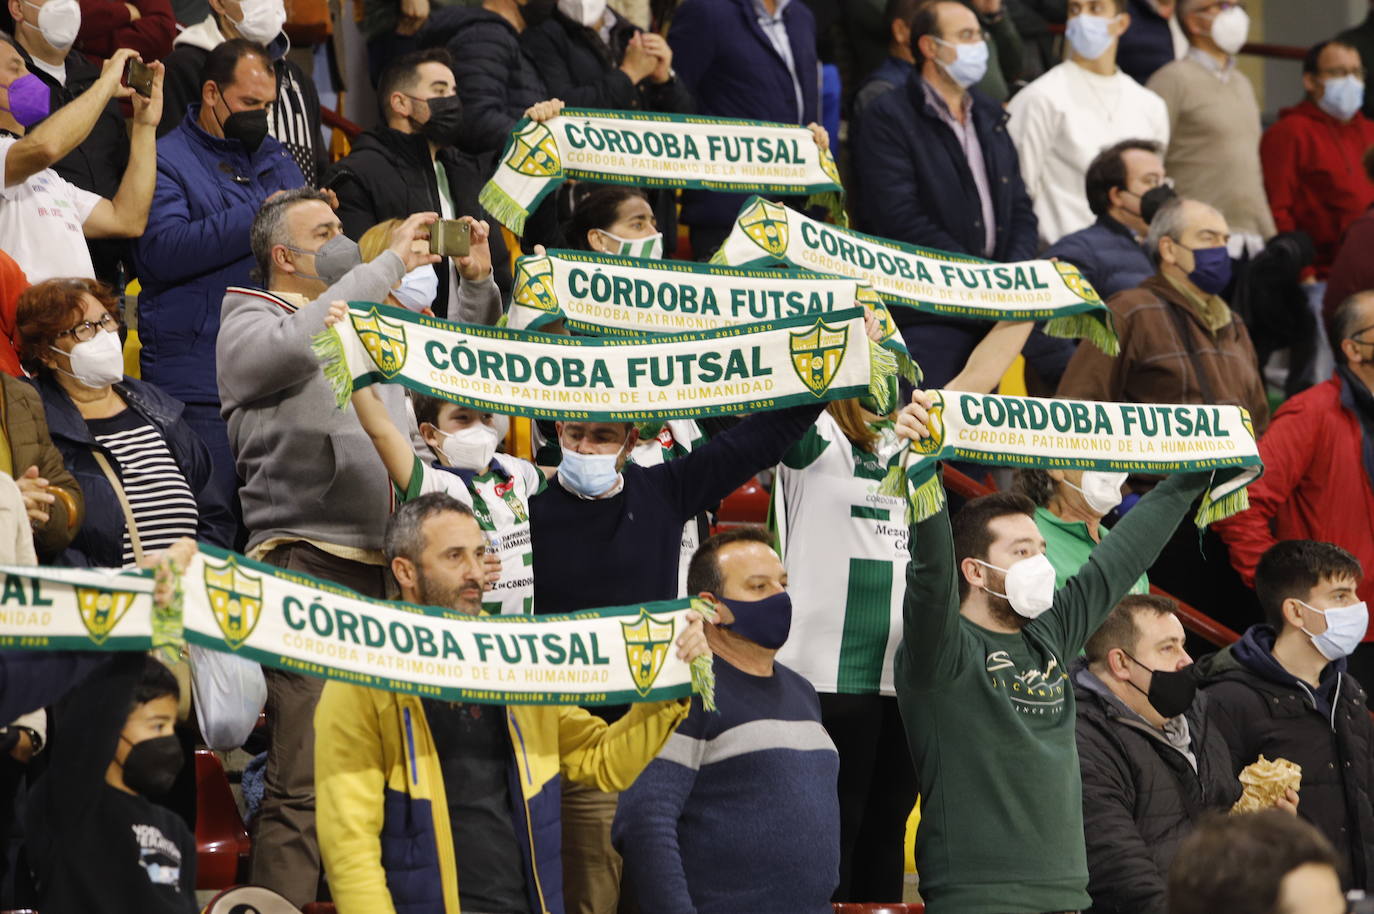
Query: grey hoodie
[309,469]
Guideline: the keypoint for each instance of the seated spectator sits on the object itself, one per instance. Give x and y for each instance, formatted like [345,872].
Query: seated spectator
[1214,122]
[391,765]
[1353,270]
[1283,691]
[1069,508]
[1154,39]
[1152,764]
[1265,861]
[144,472]
[1180,341]
[764,756]
[145,26]
[1110,252]
[742,58]
[496,79]
[293,112]
[894,69]
[1065,118]
[1309,156]
[1318,480]
[44,218]
[412,163]
[213,172]
[53,501]
[96,840]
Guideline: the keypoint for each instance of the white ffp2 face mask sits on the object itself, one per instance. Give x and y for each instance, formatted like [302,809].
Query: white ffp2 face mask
[97,362]
[262,20]
[1101,491]
[471,448]
[1030,585]
[59,21]
[1230,29]
[586,13]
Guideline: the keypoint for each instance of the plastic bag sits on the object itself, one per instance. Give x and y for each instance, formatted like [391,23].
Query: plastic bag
[229,692]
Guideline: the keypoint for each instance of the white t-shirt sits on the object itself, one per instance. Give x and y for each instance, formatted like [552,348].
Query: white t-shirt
[1060,123]
[40,224]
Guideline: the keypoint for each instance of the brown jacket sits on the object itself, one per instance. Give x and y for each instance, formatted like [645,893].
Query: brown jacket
[26,429]
[1155,365]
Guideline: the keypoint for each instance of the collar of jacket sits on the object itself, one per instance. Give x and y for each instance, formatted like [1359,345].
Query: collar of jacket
[221,147]
[1088,687]
[207,35]
[80,74]
[1171,294]
[65,420]
[410,146]
[1119,228]
[987,114]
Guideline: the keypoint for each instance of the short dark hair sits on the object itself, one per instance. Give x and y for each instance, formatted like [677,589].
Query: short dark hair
[1108,170]
[925,21]
[703,572]
[597,208]
[1345,321]
[1291,568]
[154,682]
[405,532]
[901,10]
[1119,629]
[1238,863]
[1035,484]
[401,73]
[269,228]
[427,409]
[219,66]
[972,527]
[1314,53]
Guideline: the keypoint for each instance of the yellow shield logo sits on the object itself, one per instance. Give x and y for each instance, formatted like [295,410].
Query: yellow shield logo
[870,298]
[832,171]
[534,284]
[1076,282]
[646,647]
[235,599]
[534,152]
[766,225]
[817,354]
[929,447]
[1246,421]
[384,340]
[102,609]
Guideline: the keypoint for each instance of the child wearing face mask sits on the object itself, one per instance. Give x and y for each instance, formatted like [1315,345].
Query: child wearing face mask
[466,465]
[97,841]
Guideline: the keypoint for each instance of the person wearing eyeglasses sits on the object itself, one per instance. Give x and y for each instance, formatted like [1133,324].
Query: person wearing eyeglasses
[1319,467]
[143,470]
[1214,122]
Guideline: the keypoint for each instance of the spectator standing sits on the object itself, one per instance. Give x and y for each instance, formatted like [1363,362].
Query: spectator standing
[1318,477]
[412,163]
[764,756]
[213,172]
[743,58]
[1214,122]
[1069,508]
[1152,764]
[293,113]
[283,427]
[1111,251]
[983,662]
[144,472]
[44,218]
[395,769]
[145,26]
[1283,691]
[1153,40]
[1065,118]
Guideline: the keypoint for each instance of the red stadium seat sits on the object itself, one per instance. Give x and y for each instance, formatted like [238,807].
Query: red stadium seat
[319,907]
[222,843]
[746,505]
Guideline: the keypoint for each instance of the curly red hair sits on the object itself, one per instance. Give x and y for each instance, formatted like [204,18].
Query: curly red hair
[52,307]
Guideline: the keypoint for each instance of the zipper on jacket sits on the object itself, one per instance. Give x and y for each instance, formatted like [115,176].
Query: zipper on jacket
[529,821]
[410,746]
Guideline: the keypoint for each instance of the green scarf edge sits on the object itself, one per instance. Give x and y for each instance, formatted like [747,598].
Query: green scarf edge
[1094,327]
[503,207]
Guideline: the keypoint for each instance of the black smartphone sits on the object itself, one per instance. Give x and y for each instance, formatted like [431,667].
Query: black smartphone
[449,237]
[139,77]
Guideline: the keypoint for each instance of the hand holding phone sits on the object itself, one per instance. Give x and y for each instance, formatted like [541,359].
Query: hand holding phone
[449,237]
[139,77]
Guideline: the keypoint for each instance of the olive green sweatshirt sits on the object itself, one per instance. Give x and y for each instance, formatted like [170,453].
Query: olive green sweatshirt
[990,720]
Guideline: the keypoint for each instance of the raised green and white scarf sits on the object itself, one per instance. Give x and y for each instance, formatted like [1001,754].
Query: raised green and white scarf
[1149,438]
[290,621]
[922,278]
[761,366]
[657,151]
[606,295]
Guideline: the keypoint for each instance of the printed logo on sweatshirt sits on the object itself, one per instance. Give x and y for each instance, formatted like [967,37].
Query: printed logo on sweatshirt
[1037,693]
[159,857]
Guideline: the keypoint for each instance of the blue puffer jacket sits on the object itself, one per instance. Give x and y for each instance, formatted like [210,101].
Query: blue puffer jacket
[100,541]
[208,191]
[1108,255]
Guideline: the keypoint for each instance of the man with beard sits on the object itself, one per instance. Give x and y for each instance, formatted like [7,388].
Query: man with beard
[417,803]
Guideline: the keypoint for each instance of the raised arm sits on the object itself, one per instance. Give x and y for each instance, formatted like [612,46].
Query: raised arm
[126,216]
[392,445]
[992,357]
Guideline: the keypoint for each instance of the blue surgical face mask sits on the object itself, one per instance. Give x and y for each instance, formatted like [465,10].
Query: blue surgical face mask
[765,622]
[1345,628]
[418,288]
[1211,268]
[970,65]
[1342,97]
[1089,36]
[588,475]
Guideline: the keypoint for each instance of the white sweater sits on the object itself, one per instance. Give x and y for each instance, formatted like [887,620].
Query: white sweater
[1060,123]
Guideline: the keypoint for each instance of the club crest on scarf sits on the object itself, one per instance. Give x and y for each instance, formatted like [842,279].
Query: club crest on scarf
[817,354]
[102,609]
[534,285]
[1076,282]
[766,225]
[646,647]
[384,340]
[936,424]
[534,152]
[236,600]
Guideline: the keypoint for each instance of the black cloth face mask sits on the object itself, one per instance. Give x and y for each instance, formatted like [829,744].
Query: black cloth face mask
[152,765]
[1171,691]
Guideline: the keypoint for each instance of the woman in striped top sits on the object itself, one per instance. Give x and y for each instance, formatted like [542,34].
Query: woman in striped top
[144,472]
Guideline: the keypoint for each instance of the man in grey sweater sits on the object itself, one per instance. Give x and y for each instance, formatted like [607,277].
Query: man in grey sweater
[315,495]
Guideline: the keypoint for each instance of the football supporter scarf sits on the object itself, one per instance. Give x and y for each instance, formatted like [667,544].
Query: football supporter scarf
[1083,435]
[657,151]
[927,280]
[607,295]
[768,365]
[294,622]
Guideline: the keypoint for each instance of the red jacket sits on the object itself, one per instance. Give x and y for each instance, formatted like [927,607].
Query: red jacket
[1314,487]
[1314,175]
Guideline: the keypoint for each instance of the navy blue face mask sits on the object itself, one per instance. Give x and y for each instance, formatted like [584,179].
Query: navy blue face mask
[1211,268]
[765,622]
